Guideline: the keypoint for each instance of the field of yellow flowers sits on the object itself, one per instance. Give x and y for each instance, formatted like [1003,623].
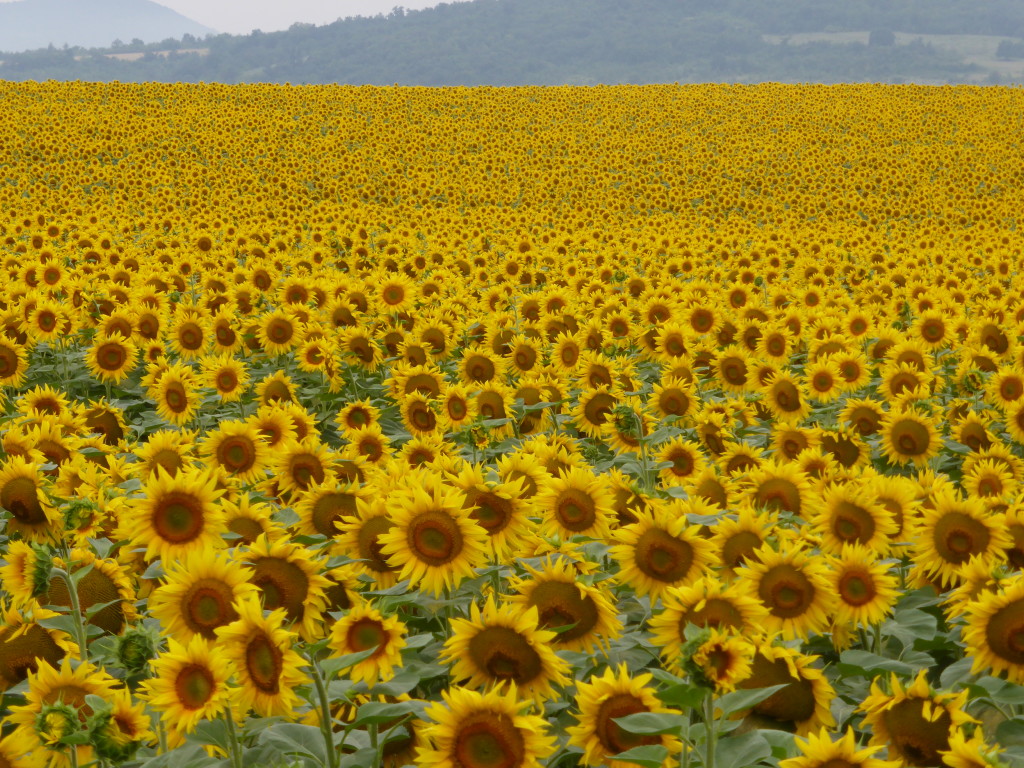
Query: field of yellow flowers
[495,428]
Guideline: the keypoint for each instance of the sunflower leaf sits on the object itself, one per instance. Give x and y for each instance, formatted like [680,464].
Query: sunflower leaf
[650,756]
[652,723]
[742,751]
[377,712]
[296,739]
[746,698]
[333,666]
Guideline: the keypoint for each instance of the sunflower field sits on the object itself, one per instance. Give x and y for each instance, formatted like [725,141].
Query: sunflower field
[651,426]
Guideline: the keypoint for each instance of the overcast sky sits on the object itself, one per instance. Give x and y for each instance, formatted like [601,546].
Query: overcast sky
[243,16]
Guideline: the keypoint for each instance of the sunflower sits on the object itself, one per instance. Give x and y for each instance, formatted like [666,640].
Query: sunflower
[177,394]
[23,495]
[848,513]
[593,408]
[169,450]
[804,705]
[705,603]
[13,363]
[279,331]
[420,415]
[783,395]
[25,644]
[111,358]
[322,506]
[617,693]
[1006,387]
[102,583]
[369,443]
[732,369]
[199,593]
[661,550]
[434,540]
[484,730]
[736,539]
[994,625]
[496,507]
[19,749]
[276,388]
[793,585]
[189,684]
[990,479]
[723,661]
[865,586]
[672,342]
[267,669]
[952,530]
[46,687]
[908,436]
[970,752]
[237,448]
[820,751]
[789,441]
[913,722]
[357,415]
[103,418]
[673,397]
[189,334]
[26,572]
[582,614]
[503,645]
[824,380]
[395,292]
[120,728]
[360,538]
[176,515]
[288,576]
[576,503]
[778,487]
[365,628]
[565,353]
[226,375]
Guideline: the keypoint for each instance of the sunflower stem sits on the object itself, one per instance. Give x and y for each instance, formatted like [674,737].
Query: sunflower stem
[374,744]
[80,637]
[236,747]
[325,713]
[877,636]
[712,734]
[161,734]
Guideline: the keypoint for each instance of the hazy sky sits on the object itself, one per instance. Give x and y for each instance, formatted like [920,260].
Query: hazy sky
[242,16]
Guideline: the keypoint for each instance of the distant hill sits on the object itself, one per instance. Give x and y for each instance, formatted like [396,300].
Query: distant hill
[550,42]
[31,24]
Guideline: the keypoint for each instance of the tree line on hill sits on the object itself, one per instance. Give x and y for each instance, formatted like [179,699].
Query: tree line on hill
[518,42]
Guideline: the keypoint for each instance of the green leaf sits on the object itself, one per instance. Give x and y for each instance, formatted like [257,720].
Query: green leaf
[650,756]
[866,664]
[652,723]
[683,695]
[742,751]
[1010,733]
[334,665]
[377,712]
[213,732]
[92,610]
[746,698]
[359,759]
[296,739]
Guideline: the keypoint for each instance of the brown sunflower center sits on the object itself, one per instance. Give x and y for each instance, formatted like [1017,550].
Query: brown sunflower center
[504,654]
[612,736]
[175,397]
[958,536]
[236,454]
[329,509]
[434,537]
[208,604]
[194,685]
[280,331]
[489,740]
[178,517]
[786,592]
[190,336]
[851,522]
[778,493]
[856,587]
[283,584]
[916,737]
[674,402]
[575,510]
[263,661]
[370,549]
[598,408]
[910,437]
[19,497]
[366,633]
[226,381]
[790,705]
[1004,632]
[716,612]
[663,557]
[739,547]
[786,396]
[490,511]
[306,469]
[560,604]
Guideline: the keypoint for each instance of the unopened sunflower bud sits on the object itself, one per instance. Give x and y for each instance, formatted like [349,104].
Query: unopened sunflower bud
[135,648]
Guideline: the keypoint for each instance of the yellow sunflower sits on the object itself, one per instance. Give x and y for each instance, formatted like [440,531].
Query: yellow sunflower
[199,593]
[793,585]
[661,549]
[176,515]
[434,540]
[227,375]
[111,358]
[820,751]
[497,507]
[238,449]
[484,730]
[914,722]
[189,684]
[23,495]
[783,395]
[503,645]
[364,628]
[582,613]
[576,503]
[994,626]
[723,660]
[267,668]
[616,693]
[864,584]
[25,644]
[360,539]
[908,436]
[847,513]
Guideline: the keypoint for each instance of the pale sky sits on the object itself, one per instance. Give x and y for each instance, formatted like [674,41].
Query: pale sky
[243,16]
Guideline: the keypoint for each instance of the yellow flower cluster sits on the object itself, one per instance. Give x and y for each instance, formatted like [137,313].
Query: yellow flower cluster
[308,391]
